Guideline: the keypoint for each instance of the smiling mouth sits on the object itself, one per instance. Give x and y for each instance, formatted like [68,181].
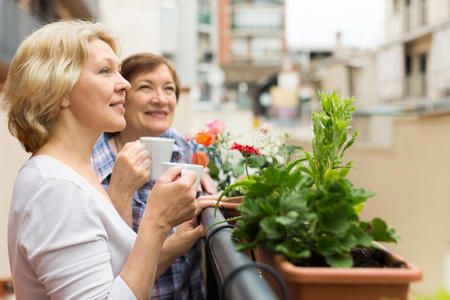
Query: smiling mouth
[118,106]
[157,114]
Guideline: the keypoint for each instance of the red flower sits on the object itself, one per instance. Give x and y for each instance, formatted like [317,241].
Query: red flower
[204,138]
[245,150]
[200,158]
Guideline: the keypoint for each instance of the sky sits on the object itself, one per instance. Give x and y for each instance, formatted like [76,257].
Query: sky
[314,23]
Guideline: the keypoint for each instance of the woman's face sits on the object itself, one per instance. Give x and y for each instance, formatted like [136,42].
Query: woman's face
[97,99]
[151,102]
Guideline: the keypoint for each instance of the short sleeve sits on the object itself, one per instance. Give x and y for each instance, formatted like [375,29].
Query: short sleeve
[66,244]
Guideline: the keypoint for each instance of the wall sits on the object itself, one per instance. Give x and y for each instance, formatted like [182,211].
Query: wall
[136,23]
[12,156]
[389,70]
[336,79]
[438,11]
[411,178]
[439,83]
[394,22]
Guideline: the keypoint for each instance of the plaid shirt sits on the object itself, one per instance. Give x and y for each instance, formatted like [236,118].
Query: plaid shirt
[183,279]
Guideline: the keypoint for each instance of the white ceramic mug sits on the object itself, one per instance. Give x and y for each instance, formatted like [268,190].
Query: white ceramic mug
[160,150]
[191,167]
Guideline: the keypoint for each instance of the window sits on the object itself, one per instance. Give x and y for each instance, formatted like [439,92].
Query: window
[266,47]
[408,65]
[252,17]
[423,63]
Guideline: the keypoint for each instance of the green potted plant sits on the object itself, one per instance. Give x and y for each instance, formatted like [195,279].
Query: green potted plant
[227,166]
[305,218]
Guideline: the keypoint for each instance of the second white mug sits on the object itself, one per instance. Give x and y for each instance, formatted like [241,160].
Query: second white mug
[160,150]
[192,167]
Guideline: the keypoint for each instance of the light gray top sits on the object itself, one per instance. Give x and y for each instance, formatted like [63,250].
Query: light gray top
[65,239]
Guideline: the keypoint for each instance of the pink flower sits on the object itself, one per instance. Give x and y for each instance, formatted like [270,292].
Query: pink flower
[190,135]
[265,127]
[216,127]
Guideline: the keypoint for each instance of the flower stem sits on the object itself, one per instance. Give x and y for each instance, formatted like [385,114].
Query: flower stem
[246,169]
[224,221]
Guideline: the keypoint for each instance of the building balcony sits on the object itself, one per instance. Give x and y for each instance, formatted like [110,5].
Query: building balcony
[415,16]
[415,86]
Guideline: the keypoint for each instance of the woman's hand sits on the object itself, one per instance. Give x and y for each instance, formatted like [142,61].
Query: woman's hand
[208,184]
[179,243]
[131,170]
[172,199]
[185,236]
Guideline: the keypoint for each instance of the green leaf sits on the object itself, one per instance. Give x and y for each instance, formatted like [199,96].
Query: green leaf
[294,256]
[334,218]
[365,240]
[339,261]
[271,228]
[237,170]
[382,233]
[358,208]
[350,142]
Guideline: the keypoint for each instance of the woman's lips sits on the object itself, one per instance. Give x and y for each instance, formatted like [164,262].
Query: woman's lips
[157,114]
[119,107]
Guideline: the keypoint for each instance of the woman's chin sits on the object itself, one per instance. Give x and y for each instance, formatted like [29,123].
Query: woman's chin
[157,129]
[118,126]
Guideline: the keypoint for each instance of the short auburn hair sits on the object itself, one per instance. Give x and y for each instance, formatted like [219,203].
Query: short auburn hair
[148,62]
[43,71]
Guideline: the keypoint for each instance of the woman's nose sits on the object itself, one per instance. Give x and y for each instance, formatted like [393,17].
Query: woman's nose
[123,84]
[158,96]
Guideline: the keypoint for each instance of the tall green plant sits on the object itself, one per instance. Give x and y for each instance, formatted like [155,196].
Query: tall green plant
[308,210]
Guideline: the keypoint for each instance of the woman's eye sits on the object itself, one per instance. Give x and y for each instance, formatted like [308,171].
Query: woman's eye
[144,87]
[170,89]
[105,70]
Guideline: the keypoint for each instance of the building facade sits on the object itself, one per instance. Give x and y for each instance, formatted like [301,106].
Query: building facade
[252,43]
[414,65]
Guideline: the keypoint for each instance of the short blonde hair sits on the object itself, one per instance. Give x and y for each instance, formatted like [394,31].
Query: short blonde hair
[44,70]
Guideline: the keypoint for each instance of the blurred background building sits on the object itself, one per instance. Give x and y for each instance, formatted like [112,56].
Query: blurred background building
[251,47]
[234,64]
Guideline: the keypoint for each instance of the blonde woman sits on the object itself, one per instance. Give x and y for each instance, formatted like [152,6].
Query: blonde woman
[65,238]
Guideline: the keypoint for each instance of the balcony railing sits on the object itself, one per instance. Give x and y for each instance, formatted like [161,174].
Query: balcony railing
[230,273]
[415,16]
[415,86]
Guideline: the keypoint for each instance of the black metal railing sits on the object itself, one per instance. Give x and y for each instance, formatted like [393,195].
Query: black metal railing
[231,274]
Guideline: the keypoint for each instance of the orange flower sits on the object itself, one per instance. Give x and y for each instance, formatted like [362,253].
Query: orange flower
[204,138]
[200,158]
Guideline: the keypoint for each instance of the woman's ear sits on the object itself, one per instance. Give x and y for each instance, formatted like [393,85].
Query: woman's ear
[65,102]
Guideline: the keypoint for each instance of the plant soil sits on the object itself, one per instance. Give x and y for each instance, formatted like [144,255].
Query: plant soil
[363,257]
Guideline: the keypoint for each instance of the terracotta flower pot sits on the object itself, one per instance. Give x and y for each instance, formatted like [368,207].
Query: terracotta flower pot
[323,283]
